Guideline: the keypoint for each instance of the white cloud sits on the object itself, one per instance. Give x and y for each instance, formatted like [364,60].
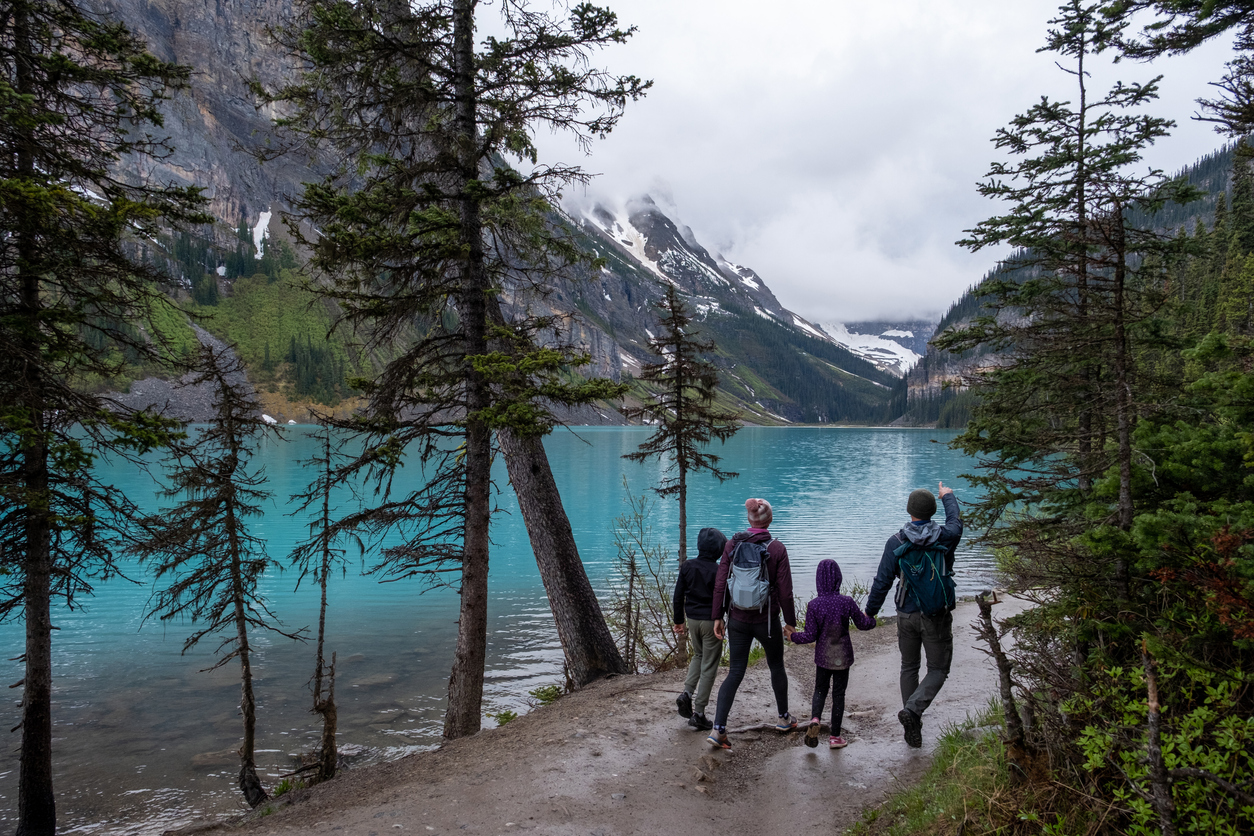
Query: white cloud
[834,147]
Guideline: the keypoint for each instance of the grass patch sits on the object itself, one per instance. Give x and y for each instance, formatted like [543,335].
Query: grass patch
[285,786]
[966,790]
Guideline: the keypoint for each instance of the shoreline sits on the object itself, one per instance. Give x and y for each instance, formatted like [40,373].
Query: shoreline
[616,758]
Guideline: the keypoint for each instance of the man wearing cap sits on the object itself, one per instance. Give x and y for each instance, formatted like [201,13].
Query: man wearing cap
[916,633]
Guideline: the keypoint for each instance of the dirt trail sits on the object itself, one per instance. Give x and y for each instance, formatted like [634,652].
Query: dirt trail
[616,759]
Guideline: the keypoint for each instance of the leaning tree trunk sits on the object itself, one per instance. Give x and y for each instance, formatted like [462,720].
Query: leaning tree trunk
[249,783]
[586,639]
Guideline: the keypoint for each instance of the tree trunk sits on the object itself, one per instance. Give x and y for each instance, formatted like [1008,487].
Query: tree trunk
[1085,418]
[36,803]
[683,513]
[1123,398]
[249,783]
[586,639]
[328,754]
[465,687]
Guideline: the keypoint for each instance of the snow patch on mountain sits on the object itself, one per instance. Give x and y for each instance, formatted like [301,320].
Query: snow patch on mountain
[747,276]
[886,353]
[808,328]
[261,231]
[621,230]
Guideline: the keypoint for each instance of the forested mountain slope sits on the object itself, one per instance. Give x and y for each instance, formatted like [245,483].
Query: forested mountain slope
[932,391]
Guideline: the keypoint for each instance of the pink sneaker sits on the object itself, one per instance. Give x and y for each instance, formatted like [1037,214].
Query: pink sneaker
[837,743]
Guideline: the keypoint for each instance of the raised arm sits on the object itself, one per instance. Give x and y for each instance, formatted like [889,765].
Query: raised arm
[951,531]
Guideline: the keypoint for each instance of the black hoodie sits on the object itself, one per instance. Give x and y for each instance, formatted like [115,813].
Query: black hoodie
[694,588]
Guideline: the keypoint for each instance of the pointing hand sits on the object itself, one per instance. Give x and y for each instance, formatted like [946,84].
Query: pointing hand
[944,490]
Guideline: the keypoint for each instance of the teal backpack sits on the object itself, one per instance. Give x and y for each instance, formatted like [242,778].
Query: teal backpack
[924,576]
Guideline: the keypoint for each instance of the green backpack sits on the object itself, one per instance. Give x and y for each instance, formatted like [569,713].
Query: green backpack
[924,576]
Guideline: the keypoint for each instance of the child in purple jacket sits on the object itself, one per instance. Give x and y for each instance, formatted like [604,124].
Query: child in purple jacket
[827,625]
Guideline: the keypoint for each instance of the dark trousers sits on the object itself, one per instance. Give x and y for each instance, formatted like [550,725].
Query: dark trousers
[839,681]
[918,635]
[740,638]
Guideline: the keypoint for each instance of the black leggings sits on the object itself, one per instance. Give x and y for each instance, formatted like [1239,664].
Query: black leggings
[740,638]
[839,681]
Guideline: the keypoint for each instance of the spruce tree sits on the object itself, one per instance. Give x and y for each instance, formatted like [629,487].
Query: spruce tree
[1242,209]
[1183,25]
[201,547]
[423,230]
[78,93]
[682,407]
[1065,301]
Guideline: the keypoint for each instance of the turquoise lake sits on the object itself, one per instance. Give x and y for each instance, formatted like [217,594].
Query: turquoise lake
[144,738]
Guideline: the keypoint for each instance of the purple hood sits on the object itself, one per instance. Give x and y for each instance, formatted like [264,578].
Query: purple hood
[828,578]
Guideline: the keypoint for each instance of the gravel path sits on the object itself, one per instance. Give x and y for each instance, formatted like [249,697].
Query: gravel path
[615,758]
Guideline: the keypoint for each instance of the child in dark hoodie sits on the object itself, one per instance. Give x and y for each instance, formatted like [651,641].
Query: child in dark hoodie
[827,625]
[694,595]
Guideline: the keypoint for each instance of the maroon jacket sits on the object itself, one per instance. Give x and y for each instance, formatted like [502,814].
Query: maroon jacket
[777,569]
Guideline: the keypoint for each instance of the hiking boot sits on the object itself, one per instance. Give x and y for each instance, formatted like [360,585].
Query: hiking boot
[812,733]
[684,701]
[718,739]
[786,723]
[912,724]
[700,722]
[837,743]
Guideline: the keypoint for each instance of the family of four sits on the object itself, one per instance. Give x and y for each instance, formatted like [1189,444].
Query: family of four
[753,568]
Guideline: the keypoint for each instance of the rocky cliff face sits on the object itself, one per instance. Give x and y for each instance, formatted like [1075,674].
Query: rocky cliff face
[779,366]
[215,125]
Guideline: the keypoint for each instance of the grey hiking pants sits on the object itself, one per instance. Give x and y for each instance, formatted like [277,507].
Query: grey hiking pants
[707,650]
[933,636]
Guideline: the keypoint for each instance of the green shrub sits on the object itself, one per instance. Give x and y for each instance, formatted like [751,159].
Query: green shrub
[547,694]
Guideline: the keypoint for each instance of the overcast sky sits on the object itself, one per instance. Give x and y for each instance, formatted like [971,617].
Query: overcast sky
[834,146]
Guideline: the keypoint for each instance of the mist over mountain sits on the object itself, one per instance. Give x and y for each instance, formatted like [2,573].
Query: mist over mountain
[776,365]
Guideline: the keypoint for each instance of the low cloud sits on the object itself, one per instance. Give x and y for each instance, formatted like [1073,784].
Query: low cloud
[834,148]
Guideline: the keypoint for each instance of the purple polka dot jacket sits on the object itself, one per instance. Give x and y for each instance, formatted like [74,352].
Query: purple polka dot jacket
[827,620]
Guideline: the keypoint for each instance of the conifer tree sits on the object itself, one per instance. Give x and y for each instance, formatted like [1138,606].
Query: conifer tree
[1183,25]
[682,408]
[201,546]
[1046,414]
[1242,218]
[78,93]
[424,228]
[317,558]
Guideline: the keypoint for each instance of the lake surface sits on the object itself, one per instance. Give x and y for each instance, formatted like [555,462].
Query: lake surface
[144,738]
